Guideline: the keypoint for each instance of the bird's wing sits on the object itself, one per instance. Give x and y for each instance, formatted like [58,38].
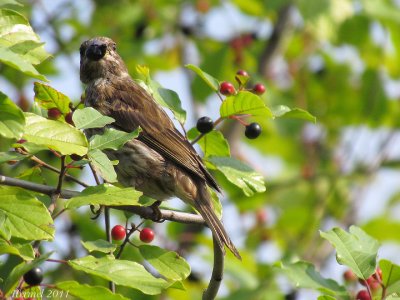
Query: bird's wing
[131,106]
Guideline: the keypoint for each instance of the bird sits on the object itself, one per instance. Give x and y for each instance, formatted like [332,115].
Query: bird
[160,162]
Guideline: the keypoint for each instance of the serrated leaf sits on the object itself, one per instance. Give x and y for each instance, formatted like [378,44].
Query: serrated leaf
[111,139]
[88,117]
[25,251]
[88,292]
[105,194]
[122,272]
[15,275]
[212,144]
[99,245]
[390,276]
[48,97]
[244,103]
[355,249]
[12,120]
[212,82]
[27,217]
[304,275]
[168,263]
[56,135]
[283,111]
[20,47]
[102,165]
[239,174]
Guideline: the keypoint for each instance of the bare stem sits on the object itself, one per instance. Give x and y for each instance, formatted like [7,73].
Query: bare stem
[217,273]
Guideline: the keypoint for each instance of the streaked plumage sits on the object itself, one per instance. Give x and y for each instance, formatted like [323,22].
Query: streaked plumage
[160,162]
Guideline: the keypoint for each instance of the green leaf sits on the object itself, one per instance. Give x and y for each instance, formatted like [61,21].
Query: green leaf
[174,103]
[355,249]
[12,120]
[282,111]
[390,276]
[212,82]
[10,2]
[88,292]
[20,47]
[168,263]
[7,156]
[111,139]
[212,144]
[15,275]
[5,232]
[88,117]
[25,251]
[239,174]
[99,245]
[102,165]
[165,97]
[56,135]
[27,217]
[244,103]
[47,98]
[303,275]
[122,272]
[105,194]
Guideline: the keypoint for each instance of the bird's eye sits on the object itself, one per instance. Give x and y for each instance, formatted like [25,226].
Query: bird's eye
[82,50]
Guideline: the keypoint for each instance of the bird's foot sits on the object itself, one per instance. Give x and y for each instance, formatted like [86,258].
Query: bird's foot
[157,215]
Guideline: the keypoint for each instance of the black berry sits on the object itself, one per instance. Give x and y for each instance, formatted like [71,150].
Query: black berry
[205,124]
[34,276]
[252,131]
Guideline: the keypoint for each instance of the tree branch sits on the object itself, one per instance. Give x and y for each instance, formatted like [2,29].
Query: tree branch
[145,212]
[217,273]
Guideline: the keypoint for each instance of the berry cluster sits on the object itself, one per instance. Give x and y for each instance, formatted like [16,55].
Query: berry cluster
[253,130]
[54,114]
[373,284]
[118,233]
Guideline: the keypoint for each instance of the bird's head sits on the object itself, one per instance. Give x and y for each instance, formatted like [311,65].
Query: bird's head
[99,59]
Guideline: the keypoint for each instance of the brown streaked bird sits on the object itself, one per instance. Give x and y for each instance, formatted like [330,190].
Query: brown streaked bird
[160,162]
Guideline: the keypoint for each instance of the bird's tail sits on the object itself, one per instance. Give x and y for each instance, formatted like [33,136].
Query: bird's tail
[205,208]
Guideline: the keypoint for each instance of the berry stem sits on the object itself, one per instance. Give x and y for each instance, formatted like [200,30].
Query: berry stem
[238,118]
[219,120]
[60,261]
[126,240]
[368,288]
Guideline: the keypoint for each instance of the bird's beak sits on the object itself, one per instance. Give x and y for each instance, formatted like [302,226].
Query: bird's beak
[96,50]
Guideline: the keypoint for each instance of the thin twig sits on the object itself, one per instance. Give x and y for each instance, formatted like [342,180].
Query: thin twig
[111,283]
[217,273]
[96,177]
[126,240]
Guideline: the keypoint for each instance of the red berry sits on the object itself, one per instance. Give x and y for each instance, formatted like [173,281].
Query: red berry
[21,141]
[146,235]
[349,276]
[261,216]
[259,89]
[363,295]
[68,119]
[54,113]
[373,283]
[118,232]
[227,88]
[242,73]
